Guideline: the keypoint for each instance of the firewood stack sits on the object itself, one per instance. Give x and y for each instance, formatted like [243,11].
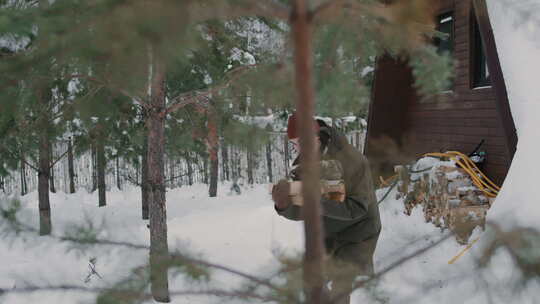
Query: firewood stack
[448,198]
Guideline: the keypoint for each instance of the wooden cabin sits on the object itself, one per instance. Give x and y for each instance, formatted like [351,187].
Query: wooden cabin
[401,127]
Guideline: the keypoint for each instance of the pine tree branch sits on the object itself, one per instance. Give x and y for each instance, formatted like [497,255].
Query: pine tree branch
[181,175]
[390,268]
[193,97]
[21,157]
[252,278]
[110,86]
[58,159]
[142,295]
[174,257]
[87,96]
[333,9]
[241,8]
[132,180]
[272,9]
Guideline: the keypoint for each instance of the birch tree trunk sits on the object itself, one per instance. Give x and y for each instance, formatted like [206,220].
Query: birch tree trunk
[302,28]
[159,249]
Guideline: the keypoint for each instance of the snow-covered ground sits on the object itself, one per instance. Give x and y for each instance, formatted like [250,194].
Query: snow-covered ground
[517,33]
[242,231]
[239,231]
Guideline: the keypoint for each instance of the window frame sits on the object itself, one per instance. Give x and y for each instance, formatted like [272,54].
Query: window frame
[438,21]
[475,41]
[440,17]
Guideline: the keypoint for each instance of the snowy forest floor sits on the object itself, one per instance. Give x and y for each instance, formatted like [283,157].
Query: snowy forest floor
[239,231]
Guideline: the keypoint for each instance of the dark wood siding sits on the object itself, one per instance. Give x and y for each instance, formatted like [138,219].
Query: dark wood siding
[393,91]
[457,120]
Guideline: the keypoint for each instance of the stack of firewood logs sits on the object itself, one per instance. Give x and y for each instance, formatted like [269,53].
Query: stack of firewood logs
[448,198]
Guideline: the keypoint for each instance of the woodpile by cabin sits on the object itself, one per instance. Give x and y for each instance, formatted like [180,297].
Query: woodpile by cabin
[448,196]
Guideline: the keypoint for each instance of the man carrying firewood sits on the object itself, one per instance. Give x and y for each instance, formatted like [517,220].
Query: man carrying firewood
[350,214]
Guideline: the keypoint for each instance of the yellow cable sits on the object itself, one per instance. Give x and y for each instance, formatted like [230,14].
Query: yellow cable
[459,255]
[482,182]
[386,182]
[470,168]
[480,172]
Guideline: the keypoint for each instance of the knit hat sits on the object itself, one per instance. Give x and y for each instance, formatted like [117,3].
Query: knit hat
[292,127]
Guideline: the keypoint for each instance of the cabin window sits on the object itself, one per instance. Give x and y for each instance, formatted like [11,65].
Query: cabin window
[480,72]
[445,41]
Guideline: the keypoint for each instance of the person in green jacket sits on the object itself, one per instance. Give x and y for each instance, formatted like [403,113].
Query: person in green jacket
[351,227]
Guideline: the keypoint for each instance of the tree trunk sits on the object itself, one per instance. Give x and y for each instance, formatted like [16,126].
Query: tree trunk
[70,168]
[51,175]
[137,171]
[159,249]
[94,168]
[101,165]
[24,185]
[286,153]
[205,170]
[238,165]
[172,178]
[269,161]
[118,182]
[313,260]
[250,167]
[224,160]
[189,169]
[45,224]
[145,194]
[213,147]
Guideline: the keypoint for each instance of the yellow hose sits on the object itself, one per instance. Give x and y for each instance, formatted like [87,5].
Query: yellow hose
[480,180]
[454,259]
[386,182]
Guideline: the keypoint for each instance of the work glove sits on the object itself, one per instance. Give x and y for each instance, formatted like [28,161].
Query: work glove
[280,194]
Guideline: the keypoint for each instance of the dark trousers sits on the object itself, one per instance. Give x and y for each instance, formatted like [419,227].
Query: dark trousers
[348,260]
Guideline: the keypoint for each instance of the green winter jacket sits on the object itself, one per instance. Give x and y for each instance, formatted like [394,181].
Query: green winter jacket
[357,218]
